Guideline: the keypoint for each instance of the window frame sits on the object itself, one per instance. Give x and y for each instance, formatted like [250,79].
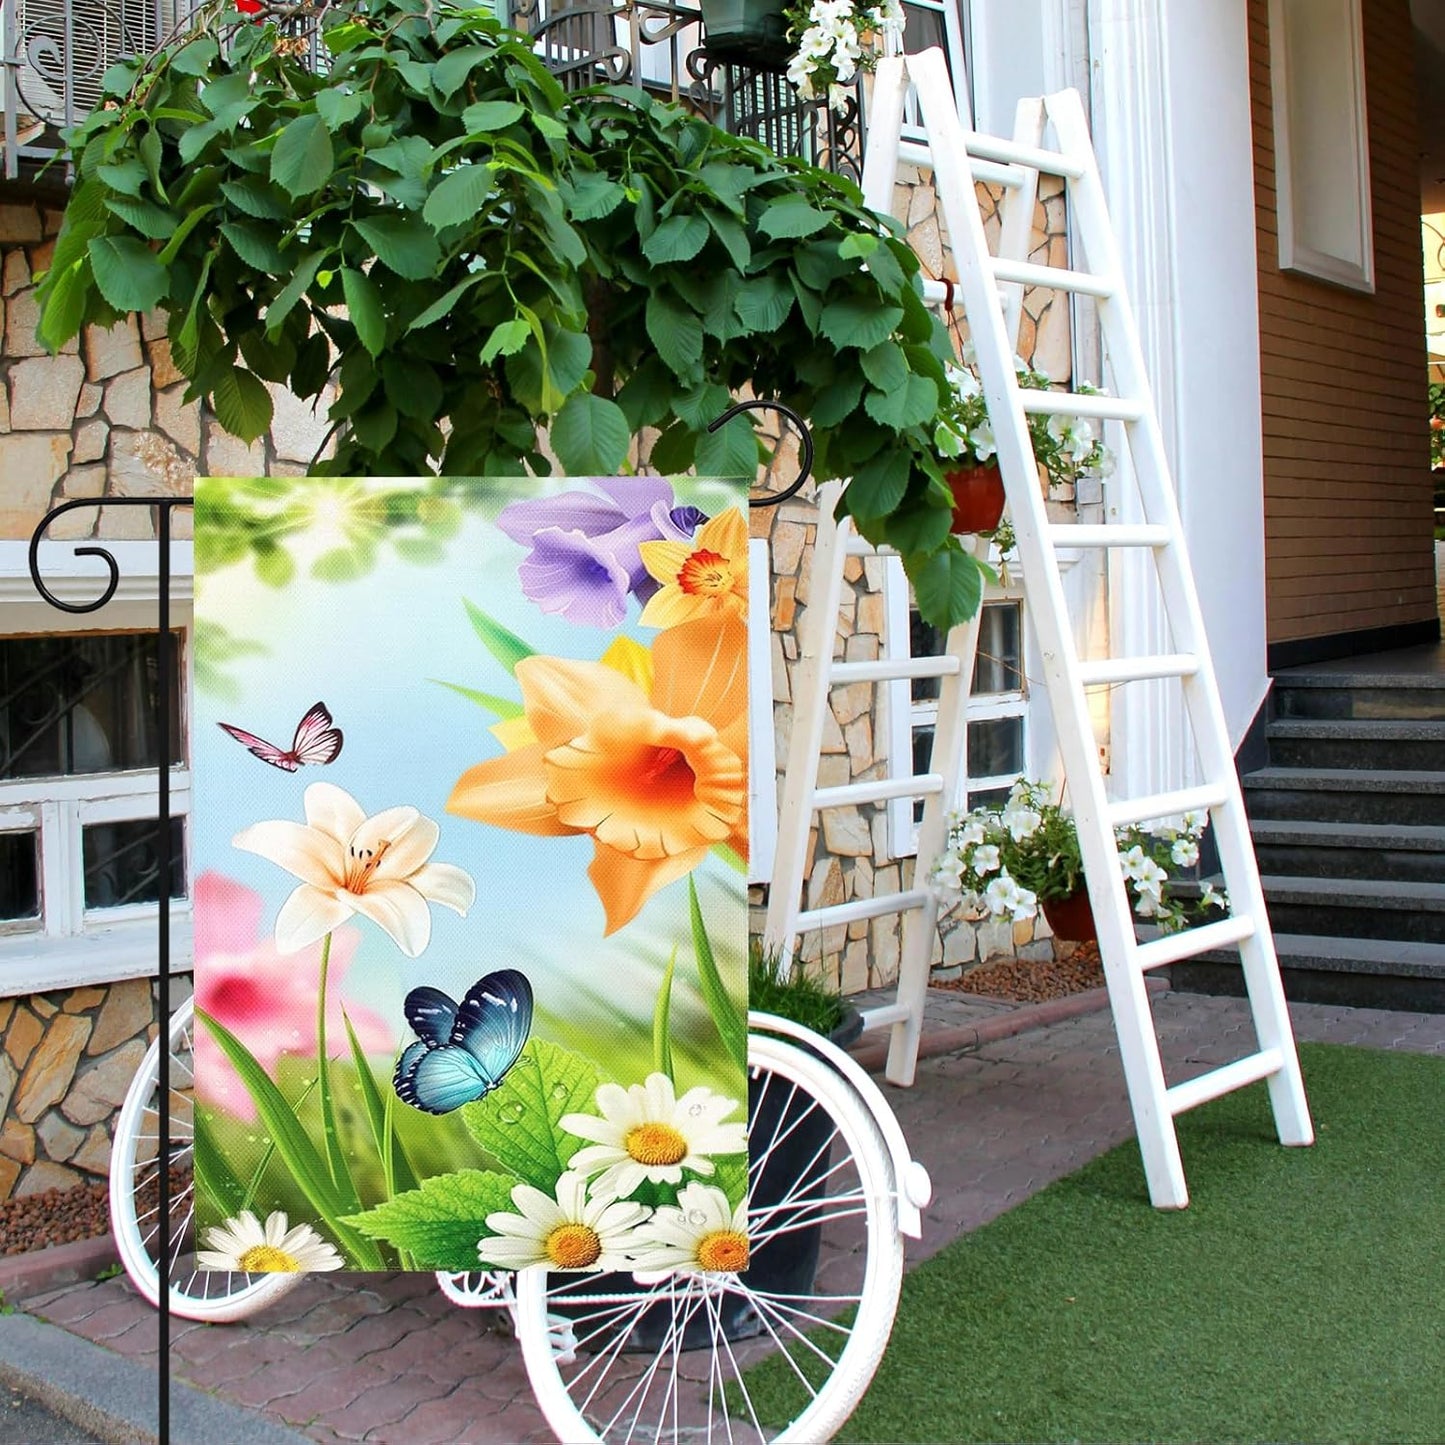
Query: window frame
[955,30]
[1296,253]
[906,717]
[73,945]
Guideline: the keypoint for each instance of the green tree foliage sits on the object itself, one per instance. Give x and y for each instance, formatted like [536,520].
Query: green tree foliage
[472,254]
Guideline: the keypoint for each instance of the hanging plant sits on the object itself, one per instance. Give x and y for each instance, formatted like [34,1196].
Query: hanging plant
[472,255]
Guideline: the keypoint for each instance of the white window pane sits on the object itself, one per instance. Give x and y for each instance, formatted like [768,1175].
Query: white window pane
[19,876]
[121,865]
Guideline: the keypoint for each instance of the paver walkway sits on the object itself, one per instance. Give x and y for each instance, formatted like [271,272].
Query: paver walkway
[385,1358]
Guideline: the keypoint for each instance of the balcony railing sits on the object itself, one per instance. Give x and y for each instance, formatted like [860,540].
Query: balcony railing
[54,53]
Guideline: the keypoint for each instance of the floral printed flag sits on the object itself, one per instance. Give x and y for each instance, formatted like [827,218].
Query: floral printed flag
[470,837]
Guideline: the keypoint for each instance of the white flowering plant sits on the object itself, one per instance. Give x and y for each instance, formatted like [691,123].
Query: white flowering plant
[836,41]
[1007,859]
[1066,447]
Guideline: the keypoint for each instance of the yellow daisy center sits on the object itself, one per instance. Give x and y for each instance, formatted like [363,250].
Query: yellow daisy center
[655,1144]
[706,574]
[267,1259]
[725,1249]
[573,1246]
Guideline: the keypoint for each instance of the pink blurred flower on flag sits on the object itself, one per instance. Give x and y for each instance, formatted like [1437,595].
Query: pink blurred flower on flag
[266,998]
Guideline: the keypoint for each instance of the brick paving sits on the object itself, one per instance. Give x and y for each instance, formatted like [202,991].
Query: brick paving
[385,1358]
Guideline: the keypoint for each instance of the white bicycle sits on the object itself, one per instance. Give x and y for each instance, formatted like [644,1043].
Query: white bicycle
[781,1352]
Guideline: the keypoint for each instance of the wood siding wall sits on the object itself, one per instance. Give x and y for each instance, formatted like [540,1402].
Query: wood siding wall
[1347,487]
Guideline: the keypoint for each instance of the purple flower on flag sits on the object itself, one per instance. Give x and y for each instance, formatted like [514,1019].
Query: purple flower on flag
[585,559]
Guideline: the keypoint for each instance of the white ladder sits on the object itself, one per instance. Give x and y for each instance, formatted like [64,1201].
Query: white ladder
[991,289]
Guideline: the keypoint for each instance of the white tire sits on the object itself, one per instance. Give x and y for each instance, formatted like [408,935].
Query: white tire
[824,1341]
[210,1295]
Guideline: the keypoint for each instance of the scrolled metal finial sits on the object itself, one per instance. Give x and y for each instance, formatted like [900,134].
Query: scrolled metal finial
[805,438]
[112,566]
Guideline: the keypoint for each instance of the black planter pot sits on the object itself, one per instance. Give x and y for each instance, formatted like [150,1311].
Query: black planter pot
[788,1263]
[749,32]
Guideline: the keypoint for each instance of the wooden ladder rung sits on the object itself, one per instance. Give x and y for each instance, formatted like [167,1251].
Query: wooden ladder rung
[1011,153]
[894,669]
[1248,1070]
[1073,403]
[915,153]
[1118,534]
[879,790]
[885,1016]
[1193,941]
[1165,805]
[1106,671]
[1054,278]
[861,908]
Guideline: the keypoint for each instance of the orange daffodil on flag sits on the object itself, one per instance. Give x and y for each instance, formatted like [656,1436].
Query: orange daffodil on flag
[706,577]
[655,773]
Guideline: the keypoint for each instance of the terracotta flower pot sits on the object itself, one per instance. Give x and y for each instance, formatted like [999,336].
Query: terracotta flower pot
[978,498]
[1071,918]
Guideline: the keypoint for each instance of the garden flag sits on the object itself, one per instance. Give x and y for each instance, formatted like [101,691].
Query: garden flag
[470,830]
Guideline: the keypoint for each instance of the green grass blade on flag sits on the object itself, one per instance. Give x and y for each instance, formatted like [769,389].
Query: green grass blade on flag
[297,1152]
[215,1179]
[501,642]
[394,1164]
[662,1023]
[731,1022]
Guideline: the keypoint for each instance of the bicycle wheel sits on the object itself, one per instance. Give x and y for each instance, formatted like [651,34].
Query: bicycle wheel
[762,1355]
[195,1294]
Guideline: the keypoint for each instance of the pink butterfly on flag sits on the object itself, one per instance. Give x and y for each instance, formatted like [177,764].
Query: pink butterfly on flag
[316,742]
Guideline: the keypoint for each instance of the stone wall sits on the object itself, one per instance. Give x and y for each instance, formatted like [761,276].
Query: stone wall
[66,1061]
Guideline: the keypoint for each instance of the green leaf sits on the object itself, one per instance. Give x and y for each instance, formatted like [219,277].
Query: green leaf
[518,1122]
[506,339]
[676,332]
[256,198]
[66,294]
[730,1021]
[500,707]
[730,451]
[911,404]
[764,302]
[364,306]
[861,243]
[885,366]
[505,646]
[459,196]
[303,160]
[920,528]
[591,196]
[293,1144]
[948,584]
[734,239]
[443,304]
[338,108]
[440,1223]
[487,116]
[151,220]
[880,483]
[404,244]
[661,1023]
[127,273]
[293,290]
[679,238]
[256,246]
[242,403]
[590,435]
[792,217]
[858,321]
[128,176]
[395,1165]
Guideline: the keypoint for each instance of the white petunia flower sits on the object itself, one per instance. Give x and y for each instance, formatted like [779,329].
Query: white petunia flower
[985,859]
[1133,862]
[1021,822]
[245,1245]
[985,444]
[1185,852]
[971,833]
[646,1133]
[568,1231]
[948,872]
[701,1232]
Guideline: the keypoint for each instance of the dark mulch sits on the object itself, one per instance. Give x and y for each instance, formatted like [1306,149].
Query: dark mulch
[1033,980]
[54,1216]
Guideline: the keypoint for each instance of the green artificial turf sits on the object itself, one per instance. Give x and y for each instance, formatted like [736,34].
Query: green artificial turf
[1300,1297]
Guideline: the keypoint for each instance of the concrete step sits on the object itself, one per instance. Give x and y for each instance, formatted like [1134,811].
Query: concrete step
[1305,849]
[1357,908]
[1360,695]
[1372,743]
[1356,972]
[1403,797]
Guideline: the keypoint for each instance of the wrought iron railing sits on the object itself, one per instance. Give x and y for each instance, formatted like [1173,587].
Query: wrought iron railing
[54,53]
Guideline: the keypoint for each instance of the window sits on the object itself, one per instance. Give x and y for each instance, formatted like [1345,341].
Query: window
[80,882]
[997,706]
[938,23]
[1321,140]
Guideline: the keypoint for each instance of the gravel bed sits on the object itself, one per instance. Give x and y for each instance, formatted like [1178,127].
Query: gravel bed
[54,1216]
[1033,980]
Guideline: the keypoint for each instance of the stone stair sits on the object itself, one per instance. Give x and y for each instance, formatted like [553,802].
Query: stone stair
[1348,821]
